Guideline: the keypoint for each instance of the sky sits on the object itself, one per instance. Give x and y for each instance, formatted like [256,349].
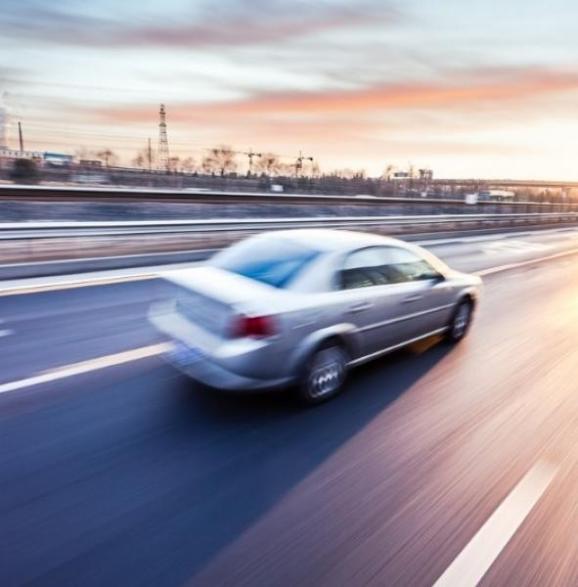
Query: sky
[482,88]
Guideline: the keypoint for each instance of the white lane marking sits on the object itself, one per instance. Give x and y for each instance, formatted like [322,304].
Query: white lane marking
[484,548]
[6,332]
[31,285]
[87,366]
[507,267]
[74,284]
[513,246]
[485,238]
[113,258]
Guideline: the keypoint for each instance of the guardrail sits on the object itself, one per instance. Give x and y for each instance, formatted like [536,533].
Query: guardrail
[42,230]
[49,248]
[123,194]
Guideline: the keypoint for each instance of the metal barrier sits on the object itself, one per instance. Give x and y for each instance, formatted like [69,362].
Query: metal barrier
[48,248]
[122,194]
[44,230]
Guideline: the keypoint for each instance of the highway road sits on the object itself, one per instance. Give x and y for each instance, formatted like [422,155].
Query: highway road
[438,464]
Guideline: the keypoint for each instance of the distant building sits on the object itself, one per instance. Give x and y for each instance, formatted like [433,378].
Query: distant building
[8,156]
[90,163]
[496,195]
[58,159]
[411,173]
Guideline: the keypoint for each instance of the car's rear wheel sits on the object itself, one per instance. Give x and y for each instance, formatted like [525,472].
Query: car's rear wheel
[460,322]
[324,374]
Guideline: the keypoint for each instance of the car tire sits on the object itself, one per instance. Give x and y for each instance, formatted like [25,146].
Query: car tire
[324,374]
[460,321]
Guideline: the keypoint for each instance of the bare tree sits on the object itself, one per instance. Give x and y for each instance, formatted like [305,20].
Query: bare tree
[286,169]
[108,157]
[174,164]
[268,164]
[388,172]
[344,173]
[140,160]
[220,160]
[188,165]
[84,154]
[144,159]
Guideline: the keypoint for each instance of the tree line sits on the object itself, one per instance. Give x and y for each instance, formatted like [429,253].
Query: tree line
[223,160]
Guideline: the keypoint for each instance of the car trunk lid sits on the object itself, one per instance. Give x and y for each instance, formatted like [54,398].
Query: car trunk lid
[212,298]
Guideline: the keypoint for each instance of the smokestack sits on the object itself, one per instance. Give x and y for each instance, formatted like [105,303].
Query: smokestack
[20,137]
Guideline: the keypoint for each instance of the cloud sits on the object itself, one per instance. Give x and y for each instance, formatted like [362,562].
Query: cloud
[192,25]
[475,90]
[253,22]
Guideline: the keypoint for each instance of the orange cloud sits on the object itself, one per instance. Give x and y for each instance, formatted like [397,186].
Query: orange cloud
[523,85]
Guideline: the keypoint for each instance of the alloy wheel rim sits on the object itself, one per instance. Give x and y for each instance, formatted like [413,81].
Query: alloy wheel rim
[461,321]
[327,372]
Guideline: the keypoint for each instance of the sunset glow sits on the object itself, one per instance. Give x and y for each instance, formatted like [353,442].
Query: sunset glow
[470,89]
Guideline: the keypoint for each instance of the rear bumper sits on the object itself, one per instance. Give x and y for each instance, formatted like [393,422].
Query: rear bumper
[191,361]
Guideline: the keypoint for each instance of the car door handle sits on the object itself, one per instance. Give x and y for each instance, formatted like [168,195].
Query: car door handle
[361,307]
[412,299]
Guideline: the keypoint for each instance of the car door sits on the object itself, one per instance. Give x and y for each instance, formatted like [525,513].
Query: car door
[425,298]
[370,301]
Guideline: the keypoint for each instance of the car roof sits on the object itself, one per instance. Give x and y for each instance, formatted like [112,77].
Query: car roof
[329,240]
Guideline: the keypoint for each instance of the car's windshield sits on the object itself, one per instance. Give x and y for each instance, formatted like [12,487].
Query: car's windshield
[274,261]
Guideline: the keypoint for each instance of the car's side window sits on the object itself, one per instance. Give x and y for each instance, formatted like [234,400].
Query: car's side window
[406,265]
[382,266]
[364,268]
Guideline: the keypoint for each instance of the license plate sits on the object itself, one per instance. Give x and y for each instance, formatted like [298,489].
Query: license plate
[186,355]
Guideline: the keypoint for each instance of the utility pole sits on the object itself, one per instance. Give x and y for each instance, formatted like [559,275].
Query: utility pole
[163,140]
[251,154]
[20,137]
[299,163]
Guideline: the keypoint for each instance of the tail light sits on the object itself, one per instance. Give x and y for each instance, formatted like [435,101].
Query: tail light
[254,326]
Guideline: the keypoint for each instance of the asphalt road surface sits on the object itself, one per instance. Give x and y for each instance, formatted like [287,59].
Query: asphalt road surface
[454,465]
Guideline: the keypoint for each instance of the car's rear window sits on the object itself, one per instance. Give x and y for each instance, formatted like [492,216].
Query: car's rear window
[276,262]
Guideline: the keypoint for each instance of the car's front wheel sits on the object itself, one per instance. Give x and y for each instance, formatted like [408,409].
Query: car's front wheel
[460,322]
[324,374]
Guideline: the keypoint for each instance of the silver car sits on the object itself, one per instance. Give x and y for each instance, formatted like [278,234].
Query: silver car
[299,308]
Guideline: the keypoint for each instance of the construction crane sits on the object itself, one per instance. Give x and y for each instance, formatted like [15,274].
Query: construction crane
[251,155]
[299,163]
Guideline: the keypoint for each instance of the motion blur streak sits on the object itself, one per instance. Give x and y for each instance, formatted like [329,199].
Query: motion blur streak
[509,266]
[86,367]
[473,562]
[53,284]
[133,476]
[94,279]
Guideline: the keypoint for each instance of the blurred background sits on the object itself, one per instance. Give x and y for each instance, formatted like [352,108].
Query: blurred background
[143,138]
